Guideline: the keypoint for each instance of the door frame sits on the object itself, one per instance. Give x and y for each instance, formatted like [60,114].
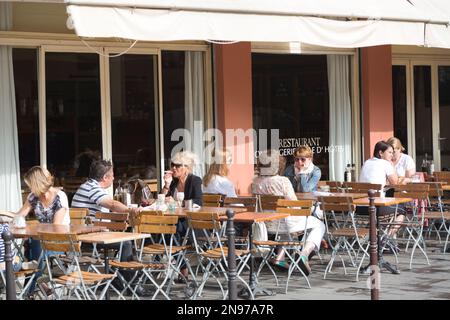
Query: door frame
[433,63]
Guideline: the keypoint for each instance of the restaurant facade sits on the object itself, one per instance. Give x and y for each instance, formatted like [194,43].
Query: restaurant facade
[66,98]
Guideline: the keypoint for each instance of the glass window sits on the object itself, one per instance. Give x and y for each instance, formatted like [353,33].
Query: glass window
[133,117]
[290,93]
[72,110]
[173,97]
[444,115]
[423,116]
[399,104]
[27,107]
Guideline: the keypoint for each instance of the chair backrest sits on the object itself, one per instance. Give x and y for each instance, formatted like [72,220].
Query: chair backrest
[112,220]
[419,195]
[268,202]
[212,200]
[78,215]
[361,187]
[443,176]
[249,203]
[336,204]
[434,188]
[203,220]
[155,223]
[59,242]
[294,207]
[335,186]
[71,184]
[413,187]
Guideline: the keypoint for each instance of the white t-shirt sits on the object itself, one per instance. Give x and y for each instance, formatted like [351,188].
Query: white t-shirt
[64,204]
[376,171]
[405,163]
[222,185]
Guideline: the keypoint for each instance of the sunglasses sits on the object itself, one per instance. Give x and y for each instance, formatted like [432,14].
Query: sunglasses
[176,165]
[302,159]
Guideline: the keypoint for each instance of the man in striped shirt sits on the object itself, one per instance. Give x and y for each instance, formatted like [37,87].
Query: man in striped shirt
[93,195]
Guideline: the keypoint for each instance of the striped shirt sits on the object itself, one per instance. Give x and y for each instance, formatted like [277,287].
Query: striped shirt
[89,195]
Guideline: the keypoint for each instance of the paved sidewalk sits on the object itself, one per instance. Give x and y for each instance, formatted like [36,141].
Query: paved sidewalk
[421,283]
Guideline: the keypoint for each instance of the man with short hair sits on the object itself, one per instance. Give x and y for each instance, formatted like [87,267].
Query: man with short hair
[93,195]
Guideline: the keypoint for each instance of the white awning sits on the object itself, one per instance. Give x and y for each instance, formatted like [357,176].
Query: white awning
[330,23]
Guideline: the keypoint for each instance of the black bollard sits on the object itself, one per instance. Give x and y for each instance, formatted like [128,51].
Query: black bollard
[232,272]
[9,272]
[374,270]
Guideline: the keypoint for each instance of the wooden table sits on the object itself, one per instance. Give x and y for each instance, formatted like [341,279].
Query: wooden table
[446,187]
[250,218]
[222,211]
[315,196]
[381,202]
[108,237]
[32,230]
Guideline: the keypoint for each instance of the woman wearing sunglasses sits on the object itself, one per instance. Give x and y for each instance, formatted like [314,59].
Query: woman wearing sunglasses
[303,174]
[181,179]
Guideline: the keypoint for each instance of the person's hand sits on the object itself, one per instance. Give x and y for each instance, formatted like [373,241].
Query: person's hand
[167,179]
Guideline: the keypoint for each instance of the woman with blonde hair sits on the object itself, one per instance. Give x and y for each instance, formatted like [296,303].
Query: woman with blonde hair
[403,163]
[215,180]
[50,205]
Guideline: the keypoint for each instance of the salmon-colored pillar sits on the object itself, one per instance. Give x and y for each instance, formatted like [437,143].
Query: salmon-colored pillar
[233,72]
[377,108]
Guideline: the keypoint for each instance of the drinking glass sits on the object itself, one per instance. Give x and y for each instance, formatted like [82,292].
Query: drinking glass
[180,198]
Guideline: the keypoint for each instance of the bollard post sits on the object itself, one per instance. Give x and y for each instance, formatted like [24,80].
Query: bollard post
[232,272]
[9,272]
[374,293]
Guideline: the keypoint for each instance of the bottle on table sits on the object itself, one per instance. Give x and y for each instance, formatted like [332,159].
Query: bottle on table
[348,173]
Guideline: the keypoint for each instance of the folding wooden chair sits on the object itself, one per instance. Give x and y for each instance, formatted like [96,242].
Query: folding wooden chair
[78,216]
[267,202]
[212,253]
[344,232]
[292,247]
[166,256]
[361,187]
[83,284]
[212,200]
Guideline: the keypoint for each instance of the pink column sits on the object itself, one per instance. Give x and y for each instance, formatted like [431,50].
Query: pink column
[377,108]
[233,72]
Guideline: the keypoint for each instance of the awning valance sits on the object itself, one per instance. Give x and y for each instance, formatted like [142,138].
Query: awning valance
[331,23]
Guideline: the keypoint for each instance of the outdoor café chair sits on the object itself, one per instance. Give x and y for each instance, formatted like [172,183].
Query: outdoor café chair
[85,285]
[212,252]
[346,232]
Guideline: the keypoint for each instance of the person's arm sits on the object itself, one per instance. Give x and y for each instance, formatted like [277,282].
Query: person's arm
[168,179]
[113,205]
[58,218]
[25,210]
[197,190]
[309,183]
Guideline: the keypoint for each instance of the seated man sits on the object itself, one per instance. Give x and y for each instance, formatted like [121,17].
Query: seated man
[93,195]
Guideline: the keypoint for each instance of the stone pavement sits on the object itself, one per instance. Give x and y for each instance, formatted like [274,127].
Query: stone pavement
[421,283]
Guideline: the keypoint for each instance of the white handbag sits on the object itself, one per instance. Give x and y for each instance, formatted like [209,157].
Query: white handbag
[259,231]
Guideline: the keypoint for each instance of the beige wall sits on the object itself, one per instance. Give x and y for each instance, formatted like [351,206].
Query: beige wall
[40,17]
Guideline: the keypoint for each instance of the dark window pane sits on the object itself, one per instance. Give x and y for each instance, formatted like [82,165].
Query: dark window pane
[73,109]
[173,96]
[290,93]
[399,102]
[422,113]
[444,116]
[27,107]
[133,89]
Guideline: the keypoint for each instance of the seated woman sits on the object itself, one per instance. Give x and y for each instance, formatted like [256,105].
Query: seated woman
[403,163]
[181,179]
[269,182]
[215,180]
[380,170]
[50,205]
[303,174]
